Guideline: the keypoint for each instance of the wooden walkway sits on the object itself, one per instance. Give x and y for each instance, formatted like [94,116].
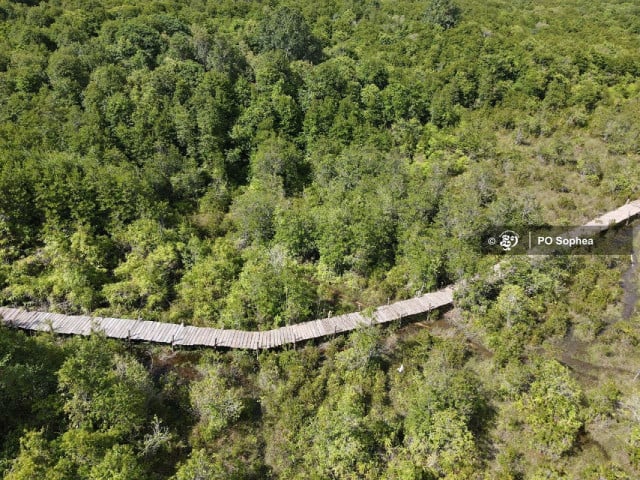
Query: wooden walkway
[174,334]
[171,333]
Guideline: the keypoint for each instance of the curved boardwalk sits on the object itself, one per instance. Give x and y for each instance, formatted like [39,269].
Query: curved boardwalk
[175,334]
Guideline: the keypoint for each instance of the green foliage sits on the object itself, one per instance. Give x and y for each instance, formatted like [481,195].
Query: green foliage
[34,460]
[104,391]
[444,13]
[286,29]
[119,463]
[28,388]
[216,403]
[145,278]
[252,165]
[552,409]
[272,290]
[204,287]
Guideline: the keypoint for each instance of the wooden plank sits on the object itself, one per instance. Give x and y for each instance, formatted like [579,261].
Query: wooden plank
[39,324]
[287,336]
[326,327]
[30,320]
[301,332]
[26,319]
[274,338]
[45,322]
[347,322]
[425,304]
[249,340]
[223,341]
[12,314]
[77,325]
[200,336]
[15,314]
[245,339]
[63,323]
[230,337]
[253,340]
[311,334]
[231,334]
[333,325]
[106,326]
[361,320]
[22,317]
[317,328]
[33,320]
[225,337]
[203,337]
[60,323]
[189,335]
[229,341]
[141,331]
[119,328]
[217,336]
[266,338]
[85,326]
[195,336]
[235,338]
[278,337]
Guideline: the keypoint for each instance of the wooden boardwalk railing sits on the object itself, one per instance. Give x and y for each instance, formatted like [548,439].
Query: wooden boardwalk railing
[175,334]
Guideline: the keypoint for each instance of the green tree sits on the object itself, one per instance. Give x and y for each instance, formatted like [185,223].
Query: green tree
[552,409]
[217,403]
[272,290]
[444,13]
[34,460]
[119,463]
[104,391]
[286,29]
[203,288]
[147,277]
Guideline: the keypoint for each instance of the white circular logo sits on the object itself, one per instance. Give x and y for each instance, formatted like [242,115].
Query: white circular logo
[508,240]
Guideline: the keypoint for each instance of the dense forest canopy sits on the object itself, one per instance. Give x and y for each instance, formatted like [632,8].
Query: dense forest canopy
[254,164]
[249,164]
